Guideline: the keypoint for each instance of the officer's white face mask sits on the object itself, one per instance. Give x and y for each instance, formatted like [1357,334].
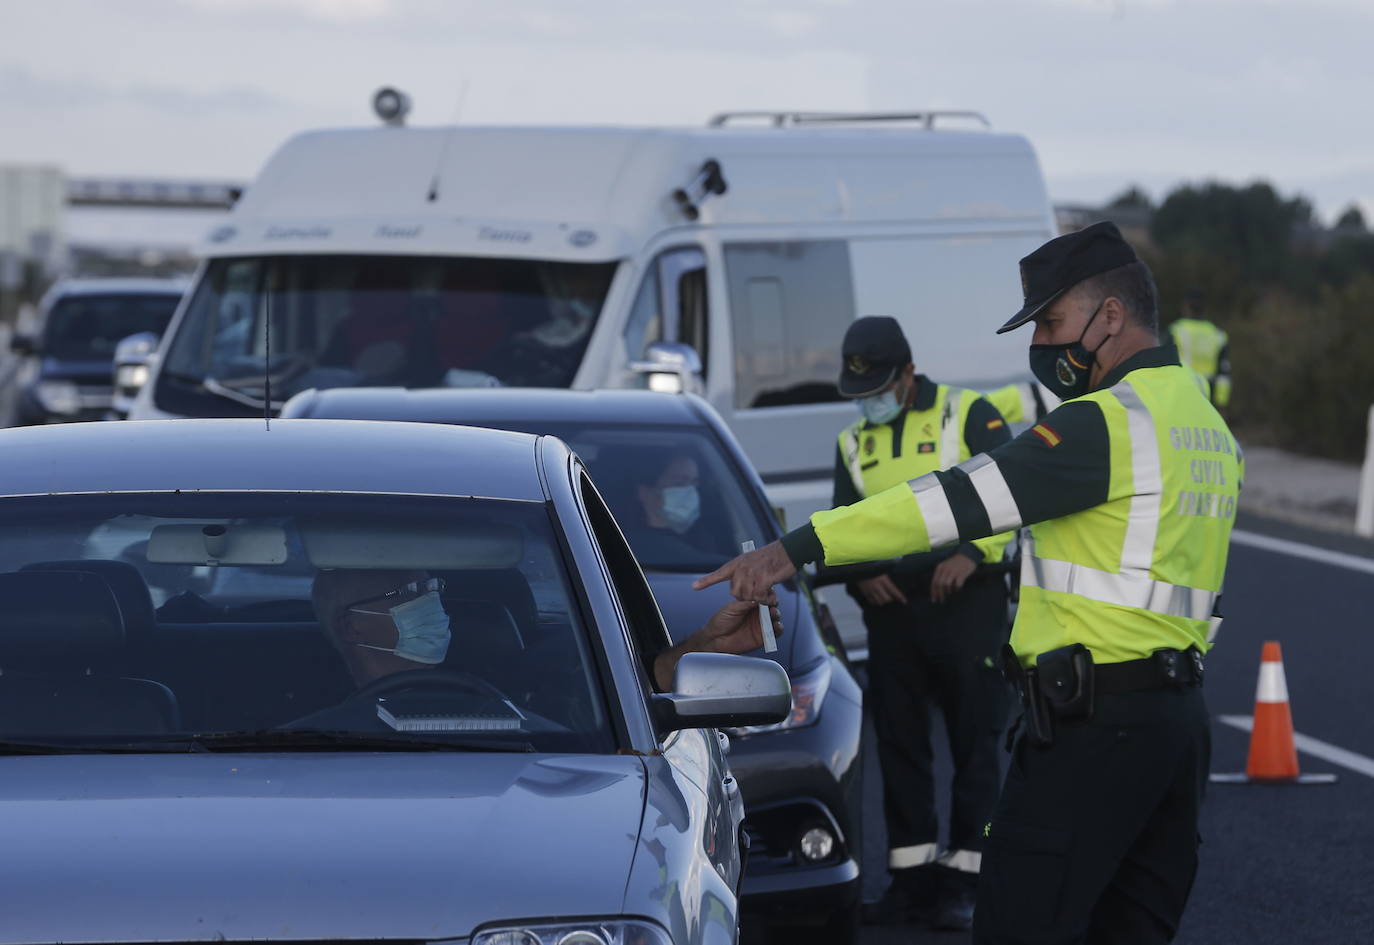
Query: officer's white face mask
[881,408]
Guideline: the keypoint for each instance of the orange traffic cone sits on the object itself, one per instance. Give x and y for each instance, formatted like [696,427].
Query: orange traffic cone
[1273,757]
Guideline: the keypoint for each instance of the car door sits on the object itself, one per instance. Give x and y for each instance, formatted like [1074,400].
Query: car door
[694,822]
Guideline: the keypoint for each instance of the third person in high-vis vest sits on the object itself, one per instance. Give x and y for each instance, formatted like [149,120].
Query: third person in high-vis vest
[936,623]
[1023,401]
[1203,347]
[1130,491]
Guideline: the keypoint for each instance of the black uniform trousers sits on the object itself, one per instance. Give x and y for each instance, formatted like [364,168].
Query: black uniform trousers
[1094,839]
[946,653]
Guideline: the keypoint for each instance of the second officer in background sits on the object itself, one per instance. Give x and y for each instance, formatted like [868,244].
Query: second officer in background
[936,623]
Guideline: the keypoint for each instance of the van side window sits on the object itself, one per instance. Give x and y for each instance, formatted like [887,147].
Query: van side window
[649,633]
[790,303]
[671,304]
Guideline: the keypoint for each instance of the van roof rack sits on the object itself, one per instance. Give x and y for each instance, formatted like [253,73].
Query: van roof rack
[788,119]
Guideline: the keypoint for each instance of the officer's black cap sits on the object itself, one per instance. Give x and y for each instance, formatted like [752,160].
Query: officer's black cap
[1065,261]
[874,350]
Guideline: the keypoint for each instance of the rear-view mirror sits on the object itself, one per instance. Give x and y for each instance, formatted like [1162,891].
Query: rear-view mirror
[215,543]
[719,690]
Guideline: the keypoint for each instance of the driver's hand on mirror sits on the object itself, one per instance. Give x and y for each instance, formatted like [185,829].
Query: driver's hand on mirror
[752,574]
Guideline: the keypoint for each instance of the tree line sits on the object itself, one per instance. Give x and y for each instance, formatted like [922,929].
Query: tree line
[1296,299]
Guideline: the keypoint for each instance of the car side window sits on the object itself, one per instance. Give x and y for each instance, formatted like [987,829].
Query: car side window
[671,304]
[648,632]
[790,303]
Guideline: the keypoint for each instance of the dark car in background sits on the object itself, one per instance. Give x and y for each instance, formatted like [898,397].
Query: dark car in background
[66,359]
[686,497]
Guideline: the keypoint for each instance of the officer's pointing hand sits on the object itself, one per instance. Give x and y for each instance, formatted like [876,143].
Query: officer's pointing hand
[753,574]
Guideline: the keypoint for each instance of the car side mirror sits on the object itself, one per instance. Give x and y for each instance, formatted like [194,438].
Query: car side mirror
[23,344]
[721,690]
[670,367]
[131,358]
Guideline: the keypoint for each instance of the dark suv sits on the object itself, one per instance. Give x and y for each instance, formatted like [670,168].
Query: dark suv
[686,497]
[67,359]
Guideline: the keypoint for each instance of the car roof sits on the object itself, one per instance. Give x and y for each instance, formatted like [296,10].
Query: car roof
[130,286]
[291,456]
[501,405]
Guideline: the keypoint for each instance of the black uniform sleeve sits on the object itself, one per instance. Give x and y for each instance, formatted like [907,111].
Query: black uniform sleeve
[1059,466]
[985,429]
[843,491]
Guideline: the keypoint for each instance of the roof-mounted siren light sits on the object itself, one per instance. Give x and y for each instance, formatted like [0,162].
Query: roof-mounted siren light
[391,106]
[709,181]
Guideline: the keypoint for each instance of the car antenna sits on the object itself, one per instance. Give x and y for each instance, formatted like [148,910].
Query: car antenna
[267,360]
[448,137]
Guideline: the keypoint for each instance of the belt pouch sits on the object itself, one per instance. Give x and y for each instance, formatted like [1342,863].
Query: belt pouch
[1065,680]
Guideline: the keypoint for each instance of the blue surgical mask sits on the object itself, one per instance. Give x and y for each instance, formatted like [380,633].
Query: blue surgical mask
[681,507]
[881,408]
[422,630]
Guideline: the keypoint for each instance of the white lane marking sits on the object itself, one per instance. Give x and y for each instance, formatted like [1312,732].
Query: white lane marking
[1283,546]
[1311,746]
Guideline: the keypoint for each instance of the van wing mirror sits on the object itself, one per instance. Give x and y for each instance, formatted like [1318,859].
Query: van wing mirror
[721,690]
[671,367]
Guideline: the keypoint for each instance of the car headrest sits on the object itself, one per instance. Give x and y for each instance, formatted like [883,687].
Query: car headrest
[57,618]
[130,591]
[505,586]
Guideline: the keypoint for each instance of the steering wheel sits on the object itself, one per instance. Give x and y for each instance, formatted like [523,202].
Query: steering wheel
[422,679]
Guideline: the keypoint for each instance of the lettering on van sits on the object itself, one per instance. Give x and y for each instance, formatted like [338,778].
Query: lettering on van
[385,232]
[298,233]
[498,235]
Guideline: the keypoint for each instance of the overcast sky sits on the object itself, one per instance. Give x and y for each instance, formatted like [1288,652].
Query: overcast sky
[1110,92]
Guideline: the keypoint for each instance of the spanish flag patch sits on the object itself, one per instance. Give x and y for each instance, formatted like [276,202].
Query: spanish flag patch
[1045,433]
[995,424]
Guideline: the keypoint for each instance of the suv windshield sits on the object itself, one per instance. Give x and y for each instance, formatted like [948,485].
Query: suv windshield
[270,621]
[394,321]
[87,327]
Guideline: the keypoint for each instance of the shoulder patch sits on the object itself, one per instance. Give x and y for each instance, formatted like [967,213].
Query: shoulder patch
[1047,434]
[996,424]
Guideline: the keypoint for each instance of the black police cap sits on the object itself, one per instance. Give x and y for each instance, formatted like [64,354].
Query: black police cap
[1065,261]
[874,350]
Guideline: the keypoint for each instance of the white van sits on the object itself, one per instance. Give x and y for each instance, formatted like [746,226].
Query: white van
[589,257]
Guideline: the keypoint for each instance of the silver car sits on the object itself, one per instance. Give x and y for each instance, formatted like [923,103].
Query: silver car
[348,681]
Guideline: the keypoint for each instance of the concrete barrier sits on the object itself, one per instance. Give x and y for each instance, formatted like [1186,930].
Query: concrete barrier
[1364,507]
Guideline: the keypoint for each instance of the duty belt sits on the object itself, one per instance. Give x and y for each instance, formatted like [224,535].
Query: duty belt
[1064,684]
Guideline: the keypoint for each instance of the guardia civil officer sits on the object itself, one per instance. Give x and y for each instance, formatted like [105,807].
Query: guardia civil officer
[1203,347]
[1130,489]
[936,620]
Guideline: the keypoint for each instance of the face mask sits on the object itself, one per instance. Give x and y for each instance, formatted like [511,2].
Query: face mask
[422,630]
[881,408]
[1066,369]
[681,507]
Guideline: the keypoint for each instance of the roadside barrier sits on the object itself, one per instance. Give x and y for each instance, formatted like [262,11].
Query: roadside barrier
[1364,508]
[1273,757]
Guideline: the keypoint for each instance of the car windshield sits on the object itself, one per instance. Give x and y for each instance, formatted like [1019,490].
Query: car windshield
[677,496]
[404,321]
[256,620]
[87,327]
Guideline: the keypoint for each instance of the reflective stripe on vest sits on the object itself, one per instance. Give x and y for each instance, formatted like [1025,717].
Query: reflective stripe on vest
[1133,586]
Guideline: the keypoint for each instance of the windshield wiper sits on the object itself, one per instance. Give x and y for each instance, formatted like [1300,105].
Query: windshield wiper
[220,389]
[50,748]
[317,739]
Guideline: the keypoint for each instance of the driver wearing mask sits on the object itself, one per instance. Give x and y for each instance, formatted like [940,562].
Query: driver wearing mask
[668,506]
[386,622]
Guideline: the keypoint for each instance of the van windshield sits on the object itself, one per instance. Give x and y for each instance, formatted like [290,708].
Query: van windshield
[390,321]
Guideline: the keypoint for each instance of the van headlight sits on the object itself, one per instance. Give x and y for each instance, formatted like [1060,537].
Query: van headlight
[58,397]
[588,932]
[808,692]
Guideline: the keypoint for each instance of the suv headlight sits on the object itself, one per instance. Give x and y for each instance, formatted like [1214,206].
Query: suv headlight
[58,397]
[808,692]
[129,378]
[588,932]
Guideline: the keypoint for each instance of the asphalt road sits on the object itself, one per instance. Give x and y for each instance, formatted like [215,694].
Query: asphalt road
[1280,864]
